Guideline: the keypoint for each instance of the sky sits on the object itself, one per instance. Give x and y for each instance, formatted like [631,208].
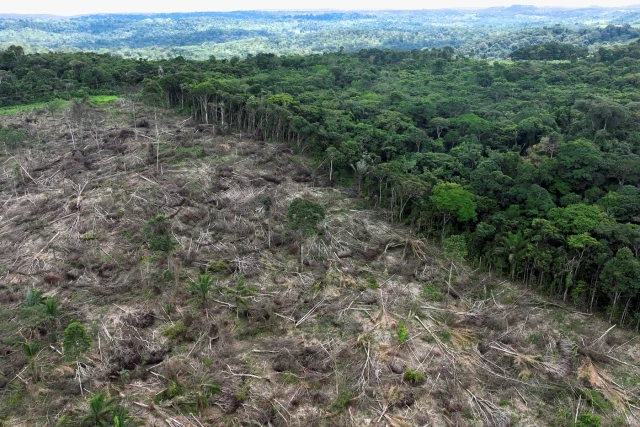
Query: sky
[77,7]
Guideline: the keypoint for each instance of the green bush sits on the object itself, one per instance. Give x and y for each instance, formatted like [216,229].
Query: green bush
[597,400]
[588,420]
[174,331]
[174,390]
[218,267]
[403,334]
[455,247]
[413,377]
[157,232]
[76,340]
[11,138]
[304,215]
[342,401]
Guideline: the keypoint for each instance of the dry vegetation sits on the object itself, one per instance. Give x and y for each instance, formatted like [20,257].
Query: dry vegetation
[376,328]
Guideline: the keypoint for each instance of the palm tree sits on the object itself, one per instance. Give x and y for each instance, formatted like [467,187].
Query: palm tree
[241,294]
[514,246]
[121,418]
[52,308]
[34,296]
[31,353]
[201,287]
[101,410]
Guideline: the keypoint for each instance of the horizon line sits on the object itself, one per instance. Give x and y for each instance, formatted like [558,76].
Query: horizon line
[322,10]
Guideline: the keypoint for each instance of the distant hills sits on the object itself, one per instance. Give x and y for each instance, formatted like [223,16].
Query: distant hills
[491,33]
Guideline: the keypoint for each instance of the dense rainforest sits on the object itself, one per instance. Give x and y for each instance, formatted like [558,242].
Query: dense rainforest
[485,33]
[528,168]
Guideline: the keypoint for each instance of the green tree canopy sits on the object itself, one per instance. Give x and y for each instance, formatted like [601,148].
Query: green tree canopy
[453,199]
[304,215]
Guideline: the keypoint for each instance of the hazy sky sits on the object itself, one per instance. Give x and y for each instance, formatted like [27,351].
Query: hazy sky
[74,7]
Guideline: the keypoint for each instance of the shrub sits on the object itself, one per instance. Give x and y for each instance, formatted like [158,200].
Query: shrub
[31,352]
[304,215]
[52,309]
[76,340]
[342,401]
[597,400]
[218,267]
[241,295]
[11,138]
[158,234]
[455,247]
[121,418]
[403,334]
[174,331]
[413,377]
[174,390]
[588,420]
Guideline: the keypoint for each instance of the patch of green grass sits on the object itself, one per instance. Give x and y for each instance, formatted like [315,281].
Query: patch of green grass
[289,378]
[103,99]
[17,393]
[251,331]
[342,401]
[150,259]
[445,336]
[17,109]
[323,325]
[332,278]
[629,380]
[432,293]
[558,317]
[317,287]
[504,402]
[372,282]
[182,154]
[536,339]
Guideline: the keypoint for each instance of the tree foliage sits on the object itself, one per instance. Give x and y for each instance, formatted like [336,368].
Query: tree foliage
[305,215]
[75,340]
